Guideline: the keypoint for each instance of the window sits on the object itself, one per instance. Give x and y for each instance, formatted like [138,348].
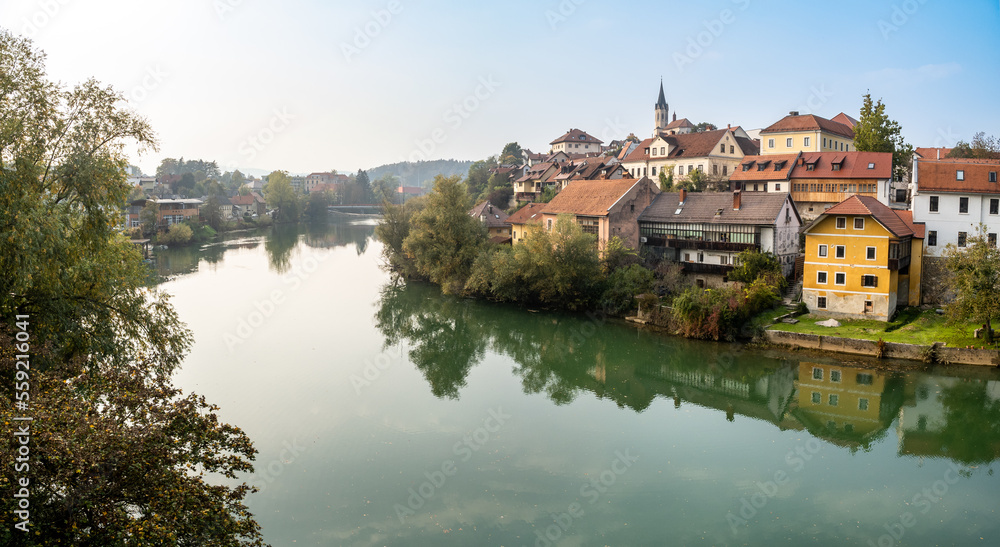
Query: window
[550,225]
[824,142]
[994,206]
[723,260]
[822,252]
[690,169]
[770,143]
[680,169]
[932,238]
[722,148]
[810,166]
[725,169]
[840,278]
[859,223]
[687,257]
[821,302]
[834,375]
[993,176]
[932,206]
[715,169]
[732,149]
[864,379]
[870,253]
[841,223]
[662,150]
[963,205]
[992,238]
[777,187]
[788,142]
[841,251]
[871,166]
[862,404]
[833,400]
[817,373]
[821,278]
[805,141]
[654,171]
[961,238]
[701,257]
[869,281]
[960,174]
[816,398]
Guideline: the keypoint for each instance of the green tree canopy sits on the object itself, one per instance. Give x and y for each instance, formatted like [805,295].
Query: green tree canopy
[512,154]
[444,240]
[117,453]
[280,195]
[976,280]
[875,132]
[981,147]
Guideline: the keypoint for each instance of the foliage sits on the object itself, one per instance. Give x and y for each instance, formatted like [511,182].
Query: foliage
[721,314]
[384,189]
[666,181]
[975,278]
[753,265]
[114,446]
[623,286]
[280,195]
[512,154]
[669,278]
[316,206]
[211,214]
[203,169]
[178,234]
[559,268]
[500,197]
[444,240]
[617,255]
[478,178]
[704,126]
[981,147]
[875,132]
[547,194]
[149,217]
[392,231]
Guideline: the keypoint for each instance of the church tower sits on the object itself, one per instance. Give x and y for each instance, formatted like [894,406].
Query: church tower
[660,111]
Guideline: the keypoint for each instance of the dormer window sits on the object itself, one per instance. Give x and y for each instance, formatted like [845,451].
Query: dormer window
[871,166]
[747,166]
[960,175]
[836,167]
[761,167]
[810,166]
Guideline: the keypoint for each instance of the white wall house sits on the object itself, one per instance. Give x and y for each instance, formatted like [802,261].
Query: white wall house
[952,197]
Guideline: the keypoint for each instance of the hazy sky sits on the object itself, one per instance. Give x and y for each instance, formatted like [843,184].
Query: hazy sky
[305,85]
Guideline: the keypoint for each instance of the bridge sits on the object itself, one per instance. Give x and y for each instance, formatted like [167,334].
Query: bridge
[357,209]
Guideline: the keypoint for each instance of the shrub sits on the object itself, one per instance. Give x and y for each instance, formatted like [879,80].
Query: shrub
[622,287]
[178,234]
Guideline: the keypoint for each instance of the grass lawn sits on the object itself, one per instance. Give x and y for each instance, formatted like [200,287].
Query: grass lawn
[911,326]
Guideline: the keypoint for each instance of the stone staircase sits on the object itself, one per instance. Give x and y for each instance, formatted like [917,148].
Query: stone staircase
[792,294]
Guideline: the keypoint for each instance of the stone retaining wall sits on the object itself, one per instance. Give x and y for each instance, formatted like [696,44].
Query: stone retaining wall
[893,350]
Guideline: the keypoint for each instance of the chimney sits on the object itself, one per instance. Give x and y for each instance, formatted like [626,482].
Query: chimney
[729,127]
[491,209]
[939,153]
[675,116]
[793,113]
[683,196]
[736,200]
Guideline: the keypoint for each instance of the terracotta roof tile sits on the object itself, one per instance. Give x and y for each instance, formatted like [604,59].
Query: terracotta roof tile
[529,214]
[576,135]
[931,153]
[942,175]
[855,165]
[589,197]
[769,172]
[869,206]
[809,122]
[492,217]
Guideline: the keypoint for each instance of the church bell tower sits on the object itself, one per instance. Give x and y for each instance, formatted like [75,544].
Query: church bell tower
[661,119]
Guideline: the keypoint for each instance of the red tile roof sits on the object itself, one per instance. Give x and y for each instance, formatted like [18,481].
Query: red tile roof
[769,172]
[869,206]
[576,135]
[942,175]
[809,122]
[932,153]
[845,119]
[854,165]
[589,197]
[907,217]
[677,124]
[492,217]
[529,214]
[689,145]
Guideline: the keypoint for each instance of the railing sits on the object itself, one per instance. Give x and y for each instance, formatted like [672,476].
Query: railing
[709,245]
[701,267]
[899,263]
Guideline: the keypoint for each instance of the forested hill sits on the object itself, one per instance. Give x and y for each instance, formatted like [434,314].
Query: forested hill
[417,173]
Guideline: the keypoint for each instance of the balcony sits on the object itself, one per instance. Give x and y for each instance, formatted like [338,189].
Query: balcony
[708,245]
[899,263]
[700,267]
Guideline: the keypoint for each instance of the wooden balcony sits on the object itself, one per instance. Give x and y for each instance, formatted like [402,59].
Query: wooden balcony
[708,245]
[899,263]
[701,267]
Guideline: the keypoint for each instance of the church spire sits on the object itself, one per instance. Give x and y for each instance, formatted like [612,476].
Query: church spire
[662,101]
[660,112]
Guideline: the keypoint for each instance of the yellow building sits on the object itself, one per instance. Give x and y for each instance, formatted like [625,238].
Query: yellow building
[841,403]
[807,133]
[862,260]
[526,220]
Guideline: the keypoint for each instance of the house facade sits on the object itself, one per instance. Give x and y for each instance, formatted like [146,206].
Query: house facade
[705,231]
[525,220]
[605,208]
[806,133]
[863,260]
[716,153]
[494,218]
[952,197]
[173,211]
[576,141]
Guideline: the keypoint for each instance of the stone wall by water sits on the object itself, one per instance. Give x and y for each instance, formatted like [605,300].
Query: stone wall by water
[893,350]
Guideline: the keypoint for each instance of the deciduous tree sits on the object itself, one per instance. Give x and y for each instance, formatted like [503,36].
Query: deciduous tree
[975,279]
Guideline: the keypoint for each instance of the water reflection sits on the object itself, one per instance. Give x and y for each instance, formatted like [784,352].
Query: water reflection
[949,413]
[279,244]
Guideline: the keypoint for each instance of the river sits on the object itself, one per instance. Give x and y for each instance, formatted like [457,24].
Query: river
[392,415]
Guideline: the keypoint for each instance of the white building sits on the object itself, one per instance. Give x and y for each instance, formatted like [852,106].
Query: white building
[952,197]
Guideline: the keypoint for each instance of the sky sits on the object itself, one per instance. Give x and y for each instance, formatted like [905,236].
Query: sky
[306,85]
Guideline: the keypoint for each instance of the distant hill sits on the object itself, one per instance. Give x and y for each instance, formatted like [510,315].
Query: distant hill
[422,172]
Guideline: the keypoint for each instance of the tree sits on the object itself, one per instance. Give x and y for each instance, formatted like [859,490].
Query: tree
[392,231]
[975,278]
[875,132]
[177,234]
[210,212]
[981,147]
[116,450]
[280,195]
[666,181]
[185,185]
[512,154]
[752,265]
[384,189]
[149,217]
[364,186]
[444,240]
[237,179]
[704,126]
[316,206]
[478,177]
